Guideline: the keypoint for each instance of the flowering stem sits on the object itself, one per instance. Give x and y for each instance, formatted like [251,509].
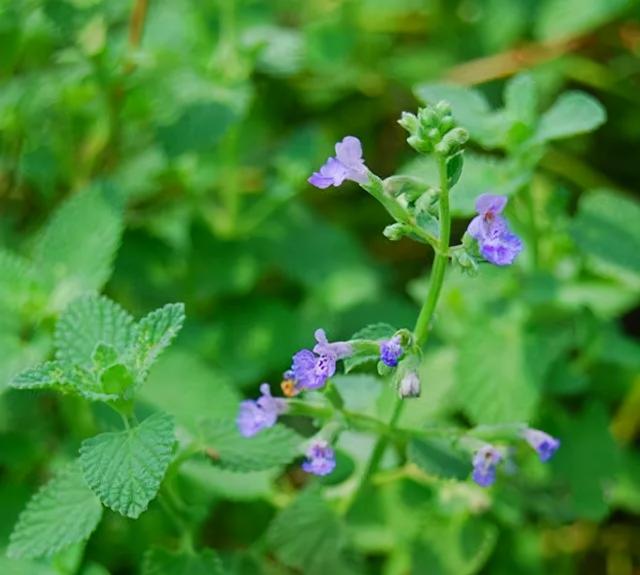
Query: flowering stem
[421,330]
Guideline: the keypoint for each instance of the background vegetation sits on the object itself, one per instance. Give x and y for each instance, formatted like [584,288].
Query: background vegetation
[160,153]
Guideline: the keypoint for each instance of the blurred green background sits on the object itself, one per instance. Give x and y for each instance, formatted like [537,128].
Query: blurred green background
[173,138]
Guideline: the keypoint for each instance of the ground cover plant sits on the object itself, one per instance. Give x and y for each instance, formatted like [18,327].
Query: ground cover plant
[325,287]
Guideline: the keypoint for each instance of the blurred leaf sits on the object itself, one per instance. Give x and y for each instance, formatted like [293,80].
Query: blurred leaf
[606,231]
[573,113]
[125,468]
[89,321]
[76,248]
[439,458]
[272,447]
[165,562]
[63,512]
[565,18]
[308,535]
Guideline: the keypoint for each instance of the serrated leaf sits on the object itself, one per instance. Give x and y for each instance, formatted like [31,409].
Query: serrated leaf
[497,379]
[63,512]
[438,457]
[77,247]
[155,332]
[606,230]
[573,113]
[125,468]
[89,321]
[308,535]
[165,562]
[272,447]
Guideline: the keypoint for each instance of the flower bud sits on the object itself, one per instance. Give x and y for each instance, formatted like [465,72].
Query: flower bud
[409,122]
[409,385]
[395,231]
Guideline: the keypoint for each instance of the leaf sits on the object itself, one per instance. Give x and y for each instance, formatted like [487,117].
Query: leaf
[309,536]
[521,108]
[366,353]
[164,562]
[438,457]
[272,447]
[125,468]
[573,113]
[565,18]
[497,382]
[89,321]
[606,230]
[63,512]
[20,286]
[77,246]
[155,332]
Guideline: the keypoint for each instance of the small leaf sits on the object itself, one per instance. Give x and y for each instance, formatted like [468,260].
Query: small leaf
[164,562]
[87,322]
[77,247]
[103,356]
[272,447]
[155,332]
[125,468]
[521,100]
[454,168]
[49,375]
[117,379]
[365,353]
[573,113]
[63,512]
[438,457]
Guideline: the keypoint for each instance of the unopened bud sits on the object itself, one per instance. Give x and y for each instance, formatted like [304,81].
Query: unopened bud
[409,122]
[409,385]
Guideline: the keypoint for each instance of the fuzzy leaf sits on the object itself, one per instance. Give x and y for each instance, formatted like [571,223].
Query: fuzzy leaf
[272,447]
[439,458]
[125,468]
[155,332]
[89,321]
[77,247]
[63,512]
[573,113]
[165,562]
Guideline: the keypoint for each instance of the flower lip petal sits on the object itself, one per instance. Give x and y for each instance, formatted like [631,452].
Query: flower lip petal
[490,204]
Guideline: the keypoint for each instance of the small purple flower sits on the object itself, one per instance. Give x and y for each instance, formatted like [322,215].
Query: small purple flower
[257,415]
[485,461]
[542,442]
[498,244]
[311,369]
[321,459]
[391,351]
[347,165]
[409,385]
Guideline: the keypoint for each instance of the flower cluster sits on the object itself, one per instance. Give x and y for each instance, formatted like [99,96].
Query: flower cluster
[486,459]
[497,243]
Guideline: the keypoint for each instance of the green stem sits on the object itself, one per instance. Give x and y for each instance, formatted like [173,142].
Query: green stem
[421,331]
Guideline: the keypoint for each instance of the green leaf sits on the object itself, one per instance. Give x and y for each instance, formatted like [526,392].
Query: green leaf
[497,381]
[606,230]
[309,536]
[77,247]
[367,353]
[63,512]
[521,99]
[573,113]
[155,332]
[565,18]
[438,457]
[165,562]
[20,285]
[125,468]
[89,321]
[272,447]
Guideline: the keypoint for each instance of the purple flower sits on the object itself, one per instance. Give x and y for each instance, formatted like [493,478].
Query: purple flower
[347,165]
[311,369]
[321,459]
[257,415]
[498,244]
[409,385]
[485,462]
[542,442]
[391,351]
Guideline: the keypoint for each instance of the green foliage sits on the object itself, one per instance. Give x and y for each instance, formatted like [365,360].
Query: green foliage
[63,512]
[573,113]
[437,457]
[124,469]
[272,447]
[163,562]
